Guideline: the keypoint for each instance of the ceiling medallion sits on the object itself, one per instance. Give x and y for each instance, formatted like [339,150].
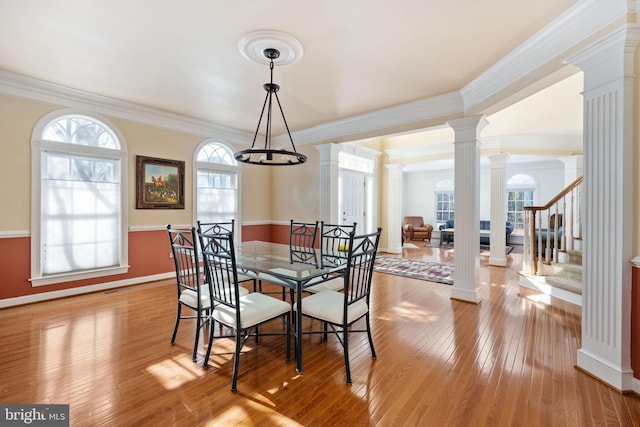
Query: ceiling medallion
[252,46]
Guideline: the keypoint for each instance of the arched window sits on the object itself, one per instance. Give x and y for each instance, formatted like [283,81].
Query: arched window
[444,195]
[521,190]
[78,198]
[217,183]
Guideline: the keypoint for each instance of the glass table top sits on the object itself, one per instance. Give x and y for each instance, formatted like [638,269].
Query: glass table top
[256,258]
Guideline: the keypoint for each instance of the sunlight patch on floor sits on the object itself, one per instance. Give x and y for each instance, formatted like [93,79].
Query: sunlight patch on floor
[407,310]
[240,416]
[173,373]
[539,298]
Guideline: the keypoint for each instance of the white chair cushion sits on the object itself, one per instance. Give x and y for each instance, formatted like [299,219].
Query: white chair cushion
[190,297]
[335,284]
[328,305]
[255,308]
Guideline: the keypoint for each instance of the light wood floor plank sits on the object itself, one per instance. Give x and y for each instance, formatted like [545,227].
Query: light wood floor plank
[506,361]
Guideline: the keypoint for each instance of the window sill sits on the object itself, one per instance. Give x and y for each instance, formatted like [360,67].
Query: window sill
[69,277]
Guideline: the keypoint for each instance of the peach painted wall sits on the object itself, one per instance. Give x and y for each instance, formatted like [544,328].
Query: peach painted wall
[17,119]
[148,255]
[296,190]
[148,246]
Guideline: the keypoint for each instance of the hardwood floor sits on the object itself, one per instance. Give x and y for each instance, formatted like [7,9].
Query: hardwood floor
[507,361]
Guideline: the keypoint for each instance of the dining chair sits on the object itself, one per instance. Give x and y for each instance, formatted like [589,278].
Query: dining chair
[302,242]
[302,248]
[207,228]
[191,292]
[242,314]
[334,245]
[340,310]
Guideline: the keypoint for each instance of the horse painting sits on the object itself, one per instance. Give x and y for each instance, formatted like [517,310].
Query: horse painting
[158,182]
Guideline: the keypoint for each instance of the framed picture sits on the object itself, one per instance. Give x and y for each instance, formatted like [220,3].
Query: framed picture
[159,183]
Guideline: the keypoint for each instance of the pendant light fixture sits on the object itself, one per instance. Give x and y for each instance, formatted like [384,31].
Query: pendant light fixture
[266,155]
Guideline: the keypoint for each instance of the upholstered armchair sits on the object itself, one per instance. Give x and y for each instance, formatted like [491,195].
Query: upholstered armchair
[414,228]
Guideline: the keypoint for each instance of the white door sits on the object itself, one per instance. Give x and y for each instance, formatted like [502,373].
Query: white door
[352,192]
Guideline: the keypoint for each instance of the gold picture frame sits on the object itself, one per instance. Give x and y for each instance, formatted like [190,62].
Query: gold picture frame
[159,183]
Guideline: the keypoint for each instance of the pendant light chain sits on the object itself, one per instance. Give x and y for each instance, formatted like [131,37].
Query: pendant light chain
[267,155]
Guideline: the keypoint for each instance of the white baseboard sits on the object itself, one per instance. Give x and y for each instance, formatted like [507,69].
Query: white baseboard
[45,296]
[605,371]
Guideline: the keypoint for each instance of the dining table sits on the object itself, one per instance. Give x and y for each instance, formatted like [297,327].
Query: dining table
[277,264]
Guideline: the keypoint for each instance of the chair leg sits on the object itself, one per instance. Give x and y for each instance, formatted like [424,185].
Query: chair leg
[175,329]
[373,350]
[205,362]
[194,357]
[345,344]
[287,317]
[236,361]
[325,329]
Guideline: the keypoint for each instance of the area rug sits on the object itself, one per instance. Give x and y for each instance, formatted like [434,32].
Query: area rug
[423,270]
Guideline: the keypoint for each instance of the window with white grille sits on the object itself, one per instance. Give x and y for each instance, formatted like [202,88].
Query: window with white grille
[79,221]
[216,183]
[444,202]
[520,193]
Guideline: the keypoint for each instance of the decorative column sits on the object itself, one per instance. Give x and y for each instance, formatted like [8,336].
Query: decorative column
[329,197]
[498,212]
[572,168]
[394,208]
[466,241]
[608,218]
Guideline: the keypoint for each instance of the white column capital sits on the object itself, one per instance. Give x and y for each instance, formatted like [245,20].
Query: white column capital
[394,168]
[498,161]
[328,152]
[467,129]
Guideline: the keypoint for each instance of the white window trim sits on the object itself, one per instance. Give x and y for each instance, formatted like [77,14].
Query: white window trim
[37,146]
[521,187]
[219,167]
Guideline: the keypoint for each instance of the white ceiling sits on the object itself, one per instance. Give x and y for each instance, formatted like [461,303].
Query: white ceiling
[183,57]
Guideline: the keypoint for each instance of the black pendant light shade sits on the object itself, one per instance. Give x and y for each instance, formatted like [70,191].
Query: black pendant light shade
[267,155]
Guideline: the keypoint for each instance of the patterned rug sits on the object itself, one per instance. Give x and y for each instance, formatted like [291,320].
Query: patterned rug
[423,270]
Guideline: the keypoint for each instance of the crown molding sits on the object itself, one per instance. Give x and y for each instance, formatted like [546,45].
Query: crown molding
[567,31]
[39,90]
[401,118]
[543,143]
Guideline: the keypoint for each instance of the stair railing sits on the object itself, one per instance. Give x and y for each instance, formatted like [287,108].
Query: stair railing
[542,245]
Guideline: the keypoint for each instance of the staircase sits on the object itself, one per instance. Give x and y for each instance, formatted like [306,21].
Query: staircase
[553,260]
